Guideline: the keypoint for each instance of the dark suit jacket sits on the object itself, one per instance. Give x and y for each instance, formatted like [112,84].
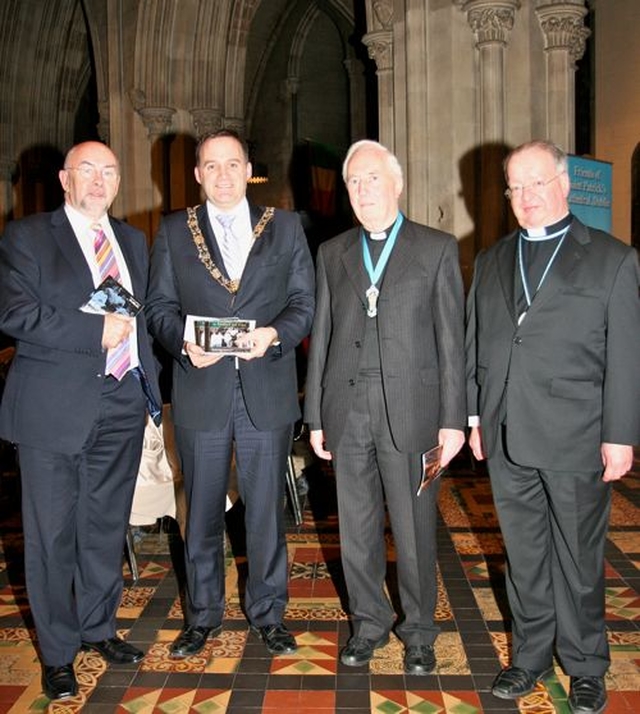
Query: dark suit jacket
[276,289]
[420,324]
[569,375]
[53,389]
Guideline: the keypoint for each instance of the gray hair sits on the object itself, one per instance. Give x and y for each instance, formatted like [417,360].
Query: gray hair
[391,159]
[558,154]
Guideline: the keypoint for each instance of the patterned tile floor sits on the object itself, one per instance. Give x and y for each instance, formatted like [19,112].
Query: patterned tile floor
[235,675]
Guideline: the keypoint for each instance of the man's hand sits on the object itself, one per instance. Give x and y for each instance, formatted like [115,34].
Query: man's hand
[451,441]
[259,340]
[115,329]
[198,357]
[617,460]
[316,439]
[475,442]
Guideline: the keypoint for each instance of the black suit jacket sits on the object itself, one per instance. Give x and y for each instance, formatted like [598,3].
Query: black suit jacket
[277,289]
[568,378]
[53,389]
[420,326]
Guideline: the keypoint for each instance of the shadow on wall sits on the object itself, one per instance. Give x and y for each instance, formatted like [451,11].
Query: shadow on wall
[36,184]
[482,190]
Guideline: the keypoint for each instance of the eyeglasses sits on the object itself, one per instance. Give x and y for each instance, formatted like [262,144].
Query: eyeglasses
[88,171]
[535,187]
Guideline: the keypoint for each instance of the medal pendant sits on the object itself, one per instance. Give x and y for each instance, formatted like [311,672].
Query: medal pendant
[372,300]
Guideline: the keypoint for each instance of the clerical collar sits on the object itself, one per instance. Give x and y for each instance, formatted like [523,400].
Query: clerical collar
[380,235]
[547,232]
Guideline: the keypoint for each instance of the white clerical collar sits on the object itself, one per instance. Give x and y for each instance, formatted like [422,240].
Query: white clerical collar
[555,230]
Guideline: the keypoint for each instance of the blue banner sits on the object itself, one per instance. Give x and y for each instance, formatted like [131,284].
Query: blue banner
[590,196]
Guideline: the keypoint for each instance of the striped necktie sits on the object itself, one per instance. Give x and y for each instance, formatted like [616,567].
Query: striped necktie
[118,358]
[229,248]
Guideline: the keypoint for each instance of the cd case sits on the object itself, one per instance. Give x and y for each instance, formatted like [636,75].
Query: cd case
[110,296]
[219,335]
[430,468]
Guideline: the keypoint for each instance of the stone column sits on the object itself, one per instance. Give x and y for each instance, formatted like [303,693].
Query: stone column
[491,22]
[380,48]
[562,23]
[355,73]
[157,122]
[379,44]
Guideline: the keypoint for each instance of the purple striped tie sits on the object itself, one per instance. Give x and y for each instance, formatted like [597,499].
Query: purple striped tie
[118,358]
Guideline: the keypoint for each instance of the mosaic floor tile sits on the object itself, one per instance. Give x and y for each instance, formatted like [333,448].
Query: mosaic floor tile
[234,672]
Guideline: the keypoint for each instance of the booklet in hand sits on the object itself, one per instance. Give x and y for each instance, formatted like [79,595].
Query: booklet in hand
[110,296]
[218,335]
[430,467]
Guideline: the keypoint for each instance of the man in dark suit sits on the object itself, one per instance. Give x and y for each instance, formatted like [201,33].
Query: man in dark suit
[553,340]
[251,401]
[78,428]
[385,383]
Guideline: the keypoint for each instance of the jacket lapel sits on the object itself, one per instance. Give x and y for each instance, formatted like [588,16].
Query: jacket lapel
[353,264]
[401,256]
[68,245]
[506,261]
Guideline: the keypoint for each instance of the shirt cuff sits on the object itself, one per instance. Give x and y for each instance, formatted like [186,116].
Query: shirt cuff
[473,421]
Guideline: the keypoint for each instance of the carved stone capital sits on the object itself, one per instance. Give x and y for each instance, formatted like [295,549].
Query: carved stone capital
[563,27]
[490,20]
[235,124]
[157,120]
[206,121]
[380,47]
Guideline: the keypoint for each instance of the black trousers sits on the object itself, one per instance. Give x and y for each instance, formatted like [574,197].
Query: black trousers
[261,461]
[554,525]
[369,471]
[75,510]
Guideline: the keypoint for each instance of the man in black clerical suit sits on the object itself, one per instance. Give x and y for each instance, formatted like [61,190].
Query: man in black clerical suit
[230,258]
[553,339]
[76,415]
[385,383]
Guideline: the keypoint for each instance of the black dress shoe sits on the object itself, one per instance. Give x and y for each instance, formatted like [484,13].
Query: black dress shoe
[191,640]
[277,638]
[115,651]
[359,650]
[59,682]
[514,682]
[419,659]
[587,695]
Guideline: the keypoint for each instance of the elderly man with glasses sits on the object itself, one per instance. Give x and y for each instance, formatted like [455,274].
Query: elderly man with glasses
[553,339]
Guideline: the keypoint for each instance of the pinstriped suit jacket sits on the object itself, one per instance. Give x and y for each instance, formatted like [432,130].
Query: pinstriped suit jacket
[420,328]
[53,391]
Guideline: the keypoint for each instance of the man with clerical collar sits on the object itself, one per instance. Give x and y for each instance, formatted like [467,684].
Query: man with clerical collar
[385,383]
[553,390]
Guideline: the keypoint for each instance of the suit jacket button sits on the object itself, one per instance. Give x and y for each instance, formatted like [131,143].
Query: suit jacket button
[517,340]
[352,382]
[358,344]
